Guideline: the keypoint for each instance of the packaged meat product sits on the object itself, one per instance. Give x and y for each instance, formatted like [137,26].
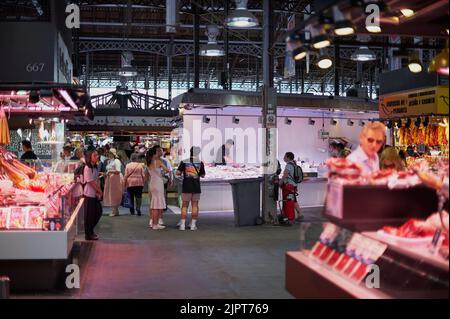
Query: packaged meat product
[17,218]
[326,254]
[317,249]
[334,258]
[351,267]
[360,273]
[4,212]
[35,217]
[342,262]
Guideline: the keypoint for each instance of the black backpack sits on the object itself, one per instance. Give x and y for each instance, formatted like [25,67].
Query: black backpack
[298,173]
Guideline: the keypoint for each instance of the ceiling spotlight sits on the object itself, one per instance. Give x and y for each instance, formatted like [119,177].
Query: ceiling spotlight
[299,53]
[236,120]
[342,26]
[407,13]
[440,63]
[241,17]
[311,122]
[426,122]
[350,123]
[362,123]
[399,123]
[321,41]
[212,49]
[363,54]
[373,28]
[333,122]
[389,124]
[415,66]
[324,62]
[206,119]
[288,121]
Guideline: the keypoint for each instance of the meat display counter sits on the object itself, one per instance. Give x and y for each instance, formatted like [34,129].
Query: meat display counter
[38,223]
[337,263]
[217,193]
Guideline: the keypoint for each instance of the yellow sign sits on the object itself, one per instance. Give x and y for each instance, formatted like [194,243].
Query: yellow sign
[432,100]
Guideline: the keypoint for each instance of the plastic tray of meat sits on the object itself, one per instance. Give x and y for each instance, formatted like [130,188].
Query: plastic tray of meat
[4,212]
[404,241]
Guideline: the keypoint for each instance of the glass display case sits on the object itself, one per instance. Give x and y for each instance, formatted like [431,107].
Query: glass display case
[367,265]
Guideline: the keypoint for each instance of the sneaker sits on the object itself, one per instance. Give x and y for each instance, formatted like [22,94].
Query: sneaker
[150,225]
[158,227]
[193,227]
[139,213]
[161,222]
[181,226]
[113,215]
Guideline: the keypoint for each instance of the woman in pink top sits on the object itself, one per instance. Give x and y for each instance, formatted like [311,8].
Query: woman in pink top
[134,181]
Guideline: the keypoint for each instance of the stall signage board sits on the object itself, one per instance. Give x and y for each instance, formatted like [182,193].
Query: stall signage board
[126,121]
[433,100]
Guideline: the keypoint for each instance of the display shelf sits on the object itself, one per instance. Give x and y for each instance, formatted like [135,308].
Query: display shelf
[419,253]
[40,245]
[308,279]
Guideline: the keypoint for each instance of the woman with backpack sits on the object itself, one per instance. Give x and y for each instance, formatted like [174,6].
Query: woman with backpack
[134,181]
[92,194]
[292,175]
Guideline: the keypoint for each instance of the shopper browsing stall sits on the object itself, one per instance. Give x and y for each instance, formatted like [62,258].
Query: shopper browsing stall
[372,138]
[192,170]
[134,181]
[390,159]
[167,177]
[291,177]
[113,183]
[92,195]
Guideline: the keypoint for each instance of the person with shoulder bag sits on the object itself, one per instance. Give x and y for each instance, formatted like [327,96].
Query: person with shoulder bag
[134,181]
[292,176]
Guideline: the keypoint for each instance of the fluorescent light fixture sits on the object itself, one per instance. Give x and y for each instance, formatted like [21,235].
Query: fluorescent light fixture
[407,12]
[363,54]
[68,99]
[241,17]
[321,41]
[325,62]
[333,122]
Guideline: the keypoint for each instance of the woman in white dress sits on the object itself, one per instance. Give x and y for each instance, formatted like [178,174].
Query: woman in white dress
[113,183]
[156,188]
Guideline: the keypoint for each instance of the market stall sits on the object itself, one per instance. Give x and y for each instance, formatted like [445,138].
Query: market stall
[209,118]
[387,237]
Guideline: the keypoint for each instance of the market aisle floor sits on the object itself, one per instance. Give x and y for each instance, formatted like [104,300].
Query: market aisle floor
[216,261]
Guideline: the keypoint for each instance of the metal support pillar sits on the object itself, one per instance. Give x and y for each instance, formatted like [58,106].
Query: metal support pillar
[169,67]
[269,145]
[226,60]
[196,45]
[337,66]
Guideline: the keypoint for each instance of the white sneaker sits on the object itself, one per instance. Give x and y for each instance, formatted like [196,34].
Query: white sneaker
[158,227]
[181,226]
[160,222]
[193,227]
[150,225]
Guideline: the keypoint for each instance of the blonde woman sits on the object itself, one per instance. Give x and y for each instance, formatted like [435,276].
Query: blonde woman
[156,188]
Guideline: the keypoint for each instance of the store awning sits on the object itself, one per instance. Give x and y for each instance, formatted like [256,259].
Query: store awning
[203,98]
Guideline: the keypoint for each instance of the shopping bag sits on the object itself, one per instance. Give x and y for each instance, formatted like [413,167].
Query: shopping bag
[126,199]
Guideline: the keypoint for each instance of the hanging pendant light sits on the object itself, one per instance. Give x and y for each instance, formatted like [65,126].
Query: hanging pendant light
[325,61]
[363,54]
[241,17]
[342,26]
[212,49]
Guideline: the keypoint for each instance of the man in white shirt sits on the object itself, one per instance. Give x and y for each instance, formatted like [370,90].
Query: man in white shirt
[372,138]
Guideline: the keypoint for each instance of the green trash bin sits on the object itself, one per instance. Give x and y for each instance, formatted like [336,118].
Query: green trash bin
[246,201]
